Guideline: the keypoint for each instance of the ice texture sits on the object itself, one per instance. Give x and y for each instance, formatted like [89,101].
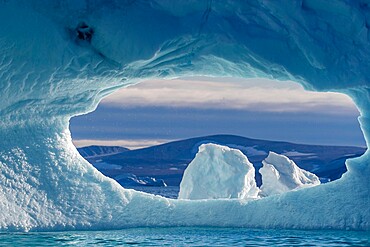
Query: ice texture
[218,172]
[58,59]
[280,175]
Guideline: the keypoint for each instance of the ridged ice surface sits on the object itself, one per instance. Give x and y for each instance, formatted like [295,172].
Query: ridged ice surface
[280,175]
[59,58]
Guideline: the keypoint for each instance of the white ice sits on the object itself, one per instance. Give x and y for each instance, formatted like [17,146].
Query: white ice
[218,172]
[280,175]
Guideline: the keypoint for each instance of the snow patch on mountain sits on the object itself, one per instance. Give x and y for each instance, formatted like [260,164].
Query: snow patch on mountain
[97,151]
[248,151]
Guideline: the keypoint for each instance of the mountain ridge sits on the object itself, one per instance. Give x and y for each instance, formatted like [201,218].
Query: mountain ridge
[100,150]
[167,161]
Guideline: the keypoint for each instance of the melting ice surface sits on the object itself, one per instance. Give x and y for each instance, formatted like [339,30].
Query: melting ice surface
[58,59]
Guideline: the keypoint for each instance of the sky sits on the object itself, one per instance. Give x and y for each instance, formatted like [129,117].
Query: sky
[159,111]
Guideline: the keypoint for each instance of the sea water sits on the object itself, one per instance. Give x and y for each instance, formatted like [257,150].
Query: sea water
[188,236]
[168,191]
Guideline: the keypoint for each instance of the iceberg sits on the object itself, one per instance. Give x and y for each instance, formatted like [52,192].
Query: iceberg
[280,175]
[218,172]
[129,180]
[58,59]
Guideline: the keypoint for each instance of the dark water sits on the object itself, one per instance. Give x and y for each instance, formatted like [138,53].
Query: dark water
[188,236]
[169,191]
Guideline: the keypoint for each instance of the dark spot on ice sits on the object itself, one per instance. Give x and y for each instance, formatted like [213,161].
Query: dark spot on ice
[84,32]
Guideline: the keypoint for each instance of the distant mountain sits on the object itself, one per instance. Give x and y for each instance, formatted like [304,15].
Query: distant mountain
[97,151]
[168,161]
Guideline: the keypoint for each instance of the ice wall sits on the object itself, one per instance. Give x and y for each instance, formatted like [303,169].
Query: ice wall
[59,58]
[218,172]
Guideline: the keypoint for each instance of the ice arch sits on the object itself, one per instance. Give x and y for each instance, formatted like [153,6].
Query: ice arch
[59,58]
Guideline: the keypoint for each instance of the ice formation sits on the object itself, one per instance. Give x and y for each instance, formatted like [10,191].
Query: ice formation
[58,59]
[280,175]
[218,172]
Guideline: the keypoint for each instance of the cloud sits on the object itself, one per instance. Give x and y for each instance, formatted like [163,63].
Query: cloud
[131,144]
[155,112]
[140,126]
[253,94]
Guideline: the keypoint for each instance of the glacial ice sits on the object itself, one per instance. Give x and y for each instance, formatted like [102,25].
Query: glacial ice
[280,175]
[218,172]
[48,74]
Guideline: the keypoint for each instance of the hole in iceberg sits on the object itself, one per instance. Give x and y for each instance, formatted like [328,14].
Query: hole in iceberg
[84,32]
[146,135]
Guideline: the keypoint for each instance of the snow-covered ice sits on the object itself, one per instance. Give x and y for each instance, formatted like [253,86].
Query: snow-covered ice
[218,172]
[280,175]
[50,72]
